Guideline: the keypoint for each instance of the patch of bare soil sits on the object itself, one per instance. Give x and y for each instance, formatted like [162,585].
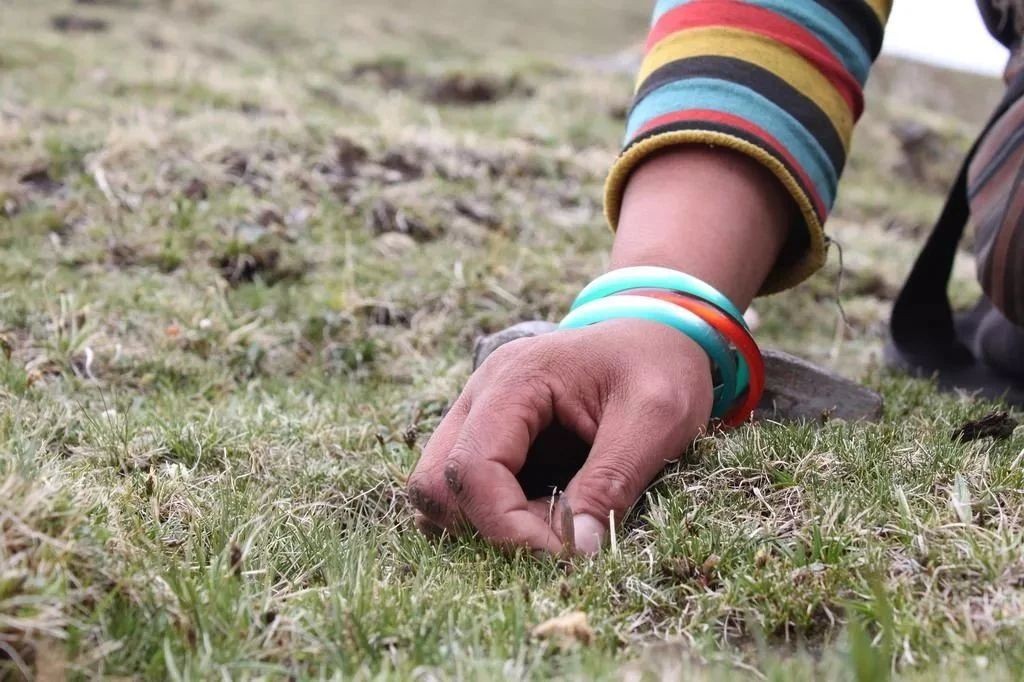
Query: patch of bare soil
[467,89]
[385,217]
[457,88]
[998,425]
[74,23]
[38,179]
[258,254]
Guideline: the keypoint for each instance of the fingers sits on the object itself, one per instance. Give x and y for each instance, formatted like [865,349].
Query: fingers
[467,473]
[427,490]
[481,469]
[635,441]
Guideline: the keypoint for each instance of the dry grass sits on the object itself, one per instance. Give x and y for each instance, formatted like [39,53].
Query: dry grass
[247,246]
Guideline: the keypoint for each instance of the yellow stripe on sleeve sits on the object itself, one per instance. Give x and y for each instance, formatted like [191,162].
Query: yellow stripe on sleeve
[882,8]
[783,61]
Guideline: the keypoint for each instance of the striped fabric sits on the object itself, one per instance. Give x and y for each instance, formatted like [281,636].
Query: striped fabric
[996,191]
[779,80]
[1005,19]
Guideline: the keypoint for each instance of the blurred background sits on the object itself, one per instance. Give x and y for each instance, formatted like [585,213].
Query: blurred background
[247,246]
[944,33]
[439,171]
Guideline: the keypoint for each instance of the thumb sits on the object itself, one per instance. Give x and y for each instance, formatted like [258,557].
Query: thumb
[633,444]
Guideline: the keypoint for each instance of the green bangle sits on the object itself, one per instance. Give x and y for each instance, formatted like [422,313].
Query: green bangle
[651,277]
[742,369]
[643,308]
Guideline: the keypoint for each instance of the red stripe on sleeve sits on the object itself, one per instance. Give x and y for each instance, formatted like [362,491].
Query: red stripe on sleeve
[743,124]
[740,15]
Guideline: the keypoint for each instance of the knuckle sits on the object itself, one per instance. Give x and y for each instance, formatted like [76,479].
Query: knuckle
[527,371]
[453,475]
[547,354]
[535,369]
[613,484]
[659,398]
[506,354]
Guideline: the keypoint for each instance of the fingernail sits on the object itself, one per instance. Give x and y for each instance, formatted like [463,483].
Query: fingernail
[589,534]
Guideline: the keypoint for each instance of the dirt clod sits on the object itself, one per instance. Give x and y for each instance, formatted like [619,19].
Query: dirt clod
[269,217]
[40,180]
[386,217]
[244,267]
[123,255]
[566,630]
[349,155]
[73,23]
[478,211]
[469,90]
[998,425]
[195,190]
[384,315]
[401,166]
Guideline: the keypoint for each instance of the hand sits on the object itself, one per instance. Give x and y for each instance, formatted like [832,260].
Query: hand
[638,391]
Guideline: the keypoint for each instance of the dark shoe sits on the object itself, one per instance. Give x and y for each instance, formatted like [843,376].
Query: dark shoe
[1000,344]
[986,358]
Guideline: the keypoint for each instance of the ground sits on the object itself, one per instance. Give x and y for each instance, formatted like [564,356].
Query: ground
[247,247]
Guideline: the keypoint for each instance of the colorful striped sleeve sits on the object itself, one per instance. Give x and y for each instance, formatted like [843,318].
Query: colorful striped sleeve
[779,80]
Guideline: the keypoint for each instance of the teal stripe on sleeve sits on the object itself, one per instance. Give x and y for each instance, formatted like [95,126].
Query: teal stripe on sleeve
[728,97]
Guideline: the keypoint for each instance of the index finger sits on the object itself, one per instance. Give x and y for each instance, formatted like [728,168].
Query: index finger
[426,487]
[481,469]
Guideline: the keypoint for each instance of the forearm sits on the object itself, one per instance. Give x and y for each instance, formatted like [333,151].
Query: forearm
[710,212]
[778,82]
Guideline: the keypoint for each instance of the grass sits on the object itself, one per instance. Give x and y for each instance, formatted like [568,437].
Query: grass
[247,246]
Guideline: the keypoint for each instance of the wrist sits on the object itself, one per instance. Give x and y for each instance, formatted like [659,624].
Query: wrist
[712,213]
[674,355]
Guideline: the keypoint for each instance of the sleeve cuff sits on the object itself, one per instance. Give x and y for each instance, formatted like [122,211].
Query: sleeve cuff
[793,267]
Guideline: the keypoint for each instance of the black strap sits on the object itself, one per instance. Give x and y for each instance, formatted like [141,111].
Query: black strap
[922,324]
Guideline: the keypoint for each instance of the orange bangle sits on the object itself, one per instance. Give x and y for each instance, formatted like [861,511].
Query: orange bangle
[735,334]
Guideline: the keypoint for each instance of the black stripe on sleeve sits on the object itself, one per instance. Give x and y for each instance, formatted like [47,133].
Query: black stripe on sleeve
[763,82]
[862,21]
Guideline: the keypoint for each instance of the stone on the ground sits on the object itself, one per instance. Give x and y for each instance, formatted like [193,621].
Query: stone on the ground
[796,389]
[485,345]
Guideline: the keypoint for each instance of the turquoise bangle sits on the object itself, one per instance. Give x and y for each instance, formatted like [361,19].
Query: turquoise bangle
[742,370]
[651,277]
[643,308]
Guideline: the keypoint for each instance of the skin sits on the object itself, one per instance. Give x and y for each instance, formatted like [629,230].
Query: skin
[638,391]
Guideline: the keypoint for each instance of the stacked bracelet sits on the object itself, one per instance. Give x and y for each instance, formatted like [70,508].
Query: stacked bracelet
[644,308]
[750,375]
[650,277]
[694,308]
